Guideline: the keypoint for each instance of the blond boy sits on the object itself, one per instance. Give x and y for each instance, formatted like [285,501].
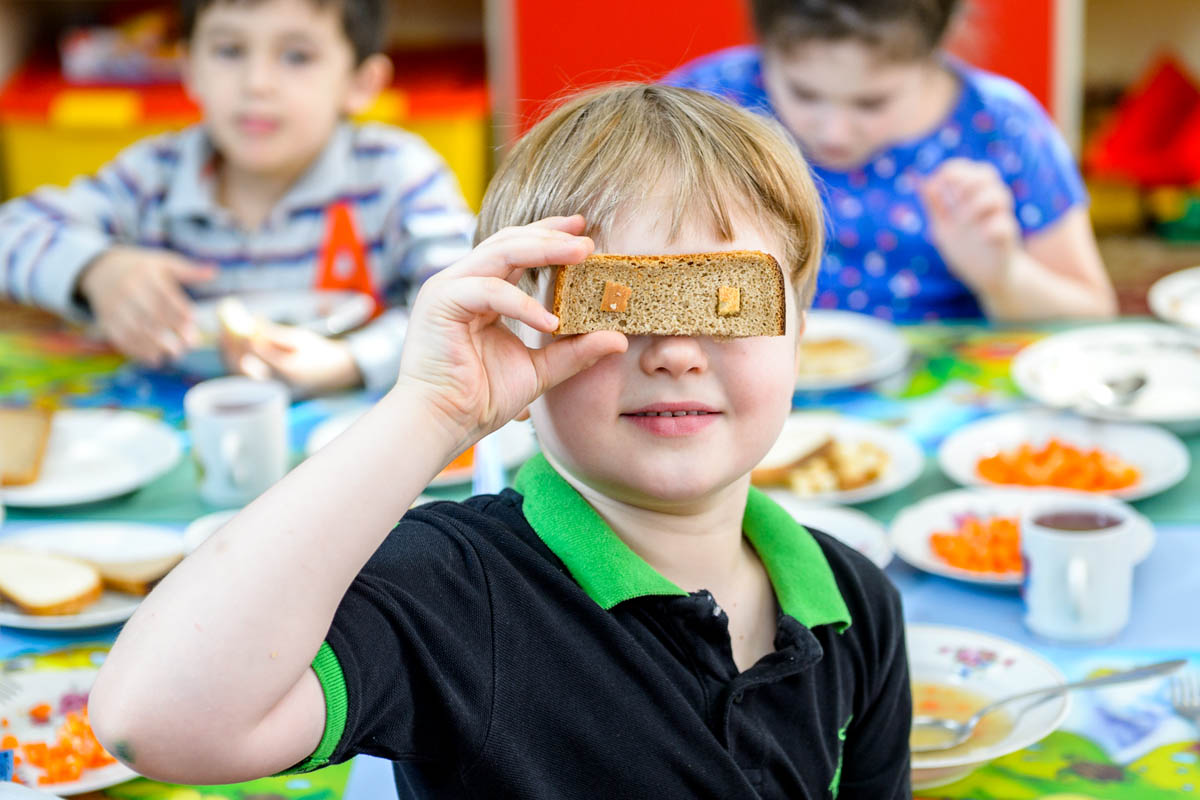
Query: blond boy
[247,200]
[633,620]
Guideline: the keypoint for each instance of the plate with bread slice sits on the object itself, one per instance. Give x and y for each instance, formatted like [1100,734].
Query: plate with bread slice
[45,710]
[840,349]
[71,575]
[72,456]
[823,457]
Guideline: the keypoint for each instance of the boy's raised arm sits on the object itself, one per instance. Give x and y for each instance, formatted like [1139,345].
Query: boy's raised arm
[210,681]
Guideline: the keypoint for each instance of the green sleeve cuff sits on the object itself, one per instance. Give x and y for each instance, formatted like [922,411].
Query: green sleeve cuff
[333,684]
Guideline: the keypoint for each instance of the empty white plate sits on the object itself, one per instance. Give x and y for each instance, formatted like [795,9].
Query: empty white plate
[851,527]
[95,454]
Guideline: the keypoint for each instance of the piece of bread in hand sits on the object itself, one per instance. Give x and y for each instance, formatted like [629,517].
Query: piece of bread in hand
[23,436]
[734,293]
[45,584]
[236,320]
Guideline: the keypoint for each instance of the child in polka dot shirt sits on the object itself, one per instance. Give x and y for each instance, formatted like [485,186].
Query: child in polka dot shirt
[948,190]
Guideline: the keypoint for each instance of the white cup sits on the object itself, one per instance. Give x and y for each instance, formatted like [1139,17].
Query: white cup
[1079,558]
[238,428]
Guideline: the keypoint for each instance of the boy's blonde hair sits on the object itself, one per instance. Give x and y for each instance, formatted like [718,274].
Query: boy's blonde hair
[603,152]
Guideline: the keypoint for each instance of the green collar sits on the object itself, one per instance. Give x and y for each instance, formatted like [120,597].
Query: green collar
[610,572]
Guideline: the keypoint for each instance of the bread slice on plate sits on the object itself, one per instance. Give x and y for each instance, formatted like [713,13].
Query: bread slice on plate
[136,576]
[790,453]
[734,293]
[45,584]
[23,436]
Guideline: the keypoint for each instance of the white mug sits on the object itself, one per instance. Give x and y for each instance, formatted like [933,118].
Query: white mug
[238,428]
[1079,558]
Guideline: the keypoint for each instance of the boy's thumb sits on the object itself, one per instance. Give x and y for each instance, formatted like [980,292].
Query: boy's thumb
[186,271]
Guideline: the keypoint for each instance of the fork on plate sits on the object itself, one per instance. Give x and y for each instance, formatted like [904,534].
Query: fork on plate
[1185,695]
[8,690]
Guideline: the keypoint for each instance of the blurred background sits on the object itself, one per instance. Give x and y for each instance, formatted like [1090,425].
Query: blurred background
[83,79]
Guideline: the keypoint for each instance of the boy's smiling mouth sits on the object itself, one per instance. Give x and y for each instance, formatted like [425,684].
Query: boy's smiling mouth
[673,419]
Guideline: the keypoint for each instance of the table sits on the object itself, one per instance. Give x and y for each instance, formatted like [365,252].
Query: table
[1120,743]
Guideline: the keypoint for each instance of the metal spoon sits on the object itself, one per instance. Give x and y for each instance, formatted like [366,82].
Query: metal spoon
[1116,393]
[958,732]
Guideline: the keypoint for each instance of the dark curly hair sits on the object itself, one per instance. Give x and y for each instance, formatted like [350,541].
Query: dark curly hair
[364,21]
[902,29]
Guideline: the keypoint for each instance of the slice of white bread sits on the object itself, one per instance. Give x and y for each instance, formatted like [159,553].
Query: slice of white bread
[788,454]
[136,577]
[24,433]
[673,295]
[45,584]
[236,320]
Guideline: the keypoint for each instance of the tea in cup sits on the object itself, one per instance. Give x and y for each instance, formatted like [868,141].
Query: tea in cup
[1079,557]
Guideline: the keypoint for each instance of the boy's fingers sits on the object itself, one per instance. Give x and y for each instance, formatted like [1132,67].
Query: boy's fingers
[559,360]
[572,224]
[474,297]
[500,259]
[186,271]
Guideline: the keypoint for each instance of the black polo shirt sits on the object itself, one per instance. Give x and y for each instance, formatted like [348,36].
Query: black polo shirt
[514,646]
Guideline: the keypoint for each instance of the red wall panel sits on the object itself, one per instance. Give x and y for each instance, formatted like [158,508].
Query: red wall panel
[562,45]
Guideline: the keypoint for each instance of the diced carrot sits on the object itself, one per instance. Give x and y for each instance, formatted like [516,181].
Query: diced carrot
[1057,463]
[980,545]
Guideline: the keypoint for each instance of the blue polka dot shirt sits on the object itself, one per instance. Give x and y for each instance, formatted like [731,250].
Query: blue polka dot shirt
[879,257]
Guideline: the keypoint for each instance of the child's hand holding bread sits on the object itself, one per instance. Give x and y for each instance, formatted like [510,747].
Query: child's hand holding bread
[475,373]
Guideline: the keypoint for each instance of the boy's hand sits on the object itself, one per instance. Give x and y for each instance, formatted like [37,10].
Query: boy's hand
[136,296]
[306,361]
[475,372]
[972,222]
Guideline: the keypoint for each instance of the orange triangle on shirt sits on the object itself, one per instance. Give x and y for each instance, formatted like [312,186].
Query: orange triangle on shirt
[343,257]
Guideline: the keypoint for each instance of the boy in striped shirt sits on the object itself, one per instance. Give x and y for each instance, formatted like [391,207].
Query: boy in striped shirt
[248,199]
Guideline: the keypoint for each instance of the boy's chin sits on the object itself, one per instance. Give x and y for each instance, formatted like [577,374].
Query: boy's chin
[672,490]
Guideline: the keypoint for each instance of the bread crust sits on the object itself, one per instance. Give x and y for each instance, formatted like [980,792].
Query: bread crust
[602,261]
[33,469]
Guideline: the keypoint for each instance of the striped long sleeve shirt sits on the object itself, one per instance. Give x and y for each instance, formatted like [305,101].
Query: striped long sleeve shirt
[405,204]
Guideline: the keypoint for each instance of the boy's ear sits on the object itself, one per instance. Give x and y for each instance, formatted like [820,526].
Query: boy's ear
[370,78]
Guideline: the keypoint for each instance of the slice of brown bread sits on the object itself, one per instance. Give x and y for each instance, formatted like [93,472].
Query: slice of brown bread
[673,295]
[23,436]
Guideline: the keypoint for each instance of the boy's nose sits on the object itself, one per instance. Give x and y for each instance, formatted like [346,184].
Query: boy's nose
[259,77]
[673,355]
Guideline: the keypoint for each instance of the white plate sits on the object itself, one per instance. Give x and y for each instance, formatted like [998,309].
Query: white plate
[1057,370]
[889,350]
[48,686]
[1159,455]
[328,313]
[95,454]
[850,526]
[1176,297]
[905,459]
[515,442]
[912,527]
[989,666]
[97,542]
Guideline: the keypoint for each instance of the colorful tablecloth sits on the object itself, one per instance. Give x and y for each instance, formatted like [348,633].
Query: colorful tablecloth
[1123,742]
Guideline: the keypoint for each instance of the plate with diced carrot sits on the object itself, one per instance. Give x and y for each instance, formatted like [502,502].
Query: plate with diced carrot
[974,535]
[1046,449]
[45,723]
